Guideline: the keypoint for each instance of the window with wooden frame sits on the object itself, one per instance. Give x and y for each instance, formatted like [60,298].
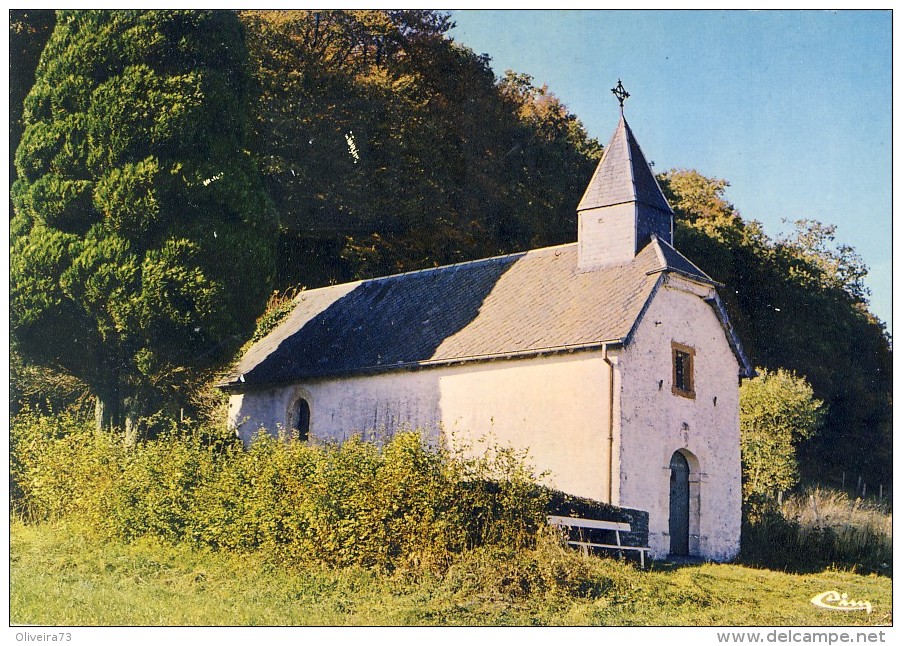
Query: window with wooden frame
[683,370]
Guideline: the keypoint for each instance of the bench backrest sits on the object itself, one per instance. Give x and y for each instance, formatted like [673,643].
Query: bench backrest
[588,523]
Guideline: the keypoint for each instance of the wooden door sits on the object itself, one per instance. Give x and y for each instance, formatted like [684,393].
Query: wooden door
[679,505]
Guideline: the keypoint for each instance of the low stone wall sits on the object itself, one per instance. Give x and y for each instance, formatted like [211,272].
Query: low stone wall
[562,504]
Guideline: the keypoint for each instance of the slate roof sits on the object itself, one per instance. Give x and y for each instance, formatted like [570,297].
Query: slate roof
[623,175]
[520,304]
[673,260]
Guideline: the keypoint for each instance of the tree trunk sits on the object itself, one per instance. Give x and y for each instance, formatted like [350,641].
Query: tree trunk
[134,423]
[107,408]
[132,428]
[101,415]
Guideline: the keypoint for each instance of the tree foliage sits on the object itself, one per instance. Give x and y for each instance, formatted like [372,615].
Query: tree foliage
[388,145]
[777,411]
[138,213]
[822,263]
[29,30]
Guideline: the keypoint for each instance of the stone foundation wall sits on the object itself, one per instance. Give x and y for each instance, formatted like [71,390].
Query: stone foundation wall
[565,505]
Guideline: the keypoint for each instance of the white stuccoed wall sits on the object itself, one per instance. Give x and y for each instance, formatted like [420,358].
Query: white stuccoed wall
[343,407]
[654,423]
[556,406]
[607,235]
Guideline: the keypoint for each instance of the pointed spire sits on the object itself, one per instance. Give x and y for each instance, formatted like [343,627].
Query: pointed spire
[623,175]
[623,208]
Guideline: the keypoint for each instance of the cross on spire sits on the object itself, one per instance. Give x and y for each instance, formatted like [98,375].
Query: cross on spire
[621,94]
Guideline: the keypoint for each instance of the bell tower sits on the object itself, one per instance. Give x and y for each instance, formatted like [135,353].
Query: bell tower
[623,206]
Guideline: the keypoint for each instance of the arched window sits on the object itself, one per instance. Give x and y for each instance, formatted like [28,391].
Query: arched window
[301,419]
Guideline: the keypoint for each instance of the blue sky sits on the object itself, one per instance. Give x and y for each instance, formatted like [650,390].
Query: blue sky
[793,108]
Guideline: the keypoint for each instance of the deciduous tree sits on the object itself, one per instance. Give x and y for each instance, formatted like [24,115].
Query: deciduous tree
[777,410]
[389,145]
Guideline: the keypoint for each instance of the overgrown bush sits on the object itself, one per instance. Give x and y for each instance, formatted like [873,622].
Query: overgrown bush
[401,505]
[57,465]
[499,572]
[777,410]
[279,305]
[817,528]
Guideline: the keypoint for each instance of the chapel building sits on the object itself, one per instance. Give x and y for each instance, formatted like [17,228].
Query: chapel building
[610,359]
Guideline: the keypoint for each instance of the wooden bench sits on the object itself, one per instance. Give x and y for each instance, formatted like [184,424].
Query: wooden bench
[581,524]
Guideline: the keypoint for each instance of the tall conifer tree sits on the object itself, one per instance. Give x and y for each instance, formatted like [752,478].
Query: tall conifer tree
[142,242]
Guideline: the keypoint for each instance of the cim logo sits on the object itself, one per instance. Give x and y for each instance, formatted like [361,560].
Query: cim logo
[833,600]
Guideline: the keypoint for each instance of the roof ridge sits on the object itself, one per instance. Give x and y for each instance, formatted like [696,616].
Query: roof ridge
[658,251]
[456,265]
[694,271]
[658,191]
[629,156]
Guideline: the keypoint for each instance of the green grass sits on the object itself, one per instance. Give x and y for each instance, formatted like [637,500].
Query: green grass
[817,527]
[61,574]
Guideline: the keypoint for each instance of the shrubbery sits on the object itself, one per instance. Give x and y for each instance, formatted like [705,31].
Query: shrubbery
[808,530]
[777,410]
[817,528]
[500,572]
[401,505]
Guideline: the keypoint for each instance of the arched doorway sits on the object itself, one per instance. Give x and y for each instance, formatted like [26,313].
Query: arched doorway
[679,505]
